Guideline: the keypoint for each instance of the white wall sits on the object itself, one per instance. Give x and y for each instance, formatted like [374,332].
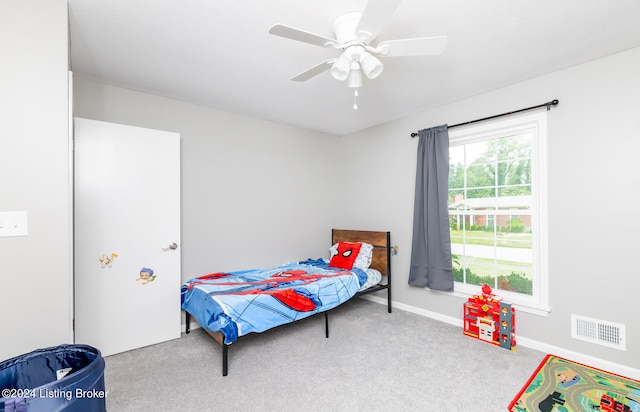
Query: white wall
[253,192]
[35,270]
[593,193]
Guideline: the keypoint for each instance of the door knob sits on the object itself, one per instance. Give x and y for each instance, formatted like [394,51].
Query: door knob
[172,246]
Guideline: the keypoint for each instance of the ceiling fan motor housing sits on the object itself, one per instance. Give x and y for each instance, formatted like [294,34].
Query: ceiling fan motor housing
[344,27]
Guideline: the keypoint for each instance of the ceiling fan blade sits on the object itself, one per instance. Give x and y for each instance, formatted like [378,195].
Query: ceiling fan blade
[300,35]
[375,16]
[313,71]
[422,46]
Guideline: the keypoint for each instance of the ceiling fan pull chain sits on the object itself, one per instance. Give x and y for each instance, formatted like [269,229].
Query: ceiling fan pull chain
[355,100]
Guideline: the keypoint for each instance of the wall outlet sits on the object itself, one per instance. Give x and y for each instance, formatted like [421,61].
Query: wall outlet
[13,224]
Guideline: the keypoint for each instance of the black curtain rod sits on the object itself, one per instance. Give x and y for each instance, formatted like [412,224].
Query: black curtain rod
[548,104]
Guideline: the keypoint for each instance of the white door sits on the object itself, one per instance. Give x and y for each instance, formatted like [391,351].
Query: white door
[127,236]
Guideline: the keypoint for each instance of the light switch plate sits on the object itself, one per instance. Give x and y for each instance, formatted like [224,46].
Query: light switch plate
[13,224]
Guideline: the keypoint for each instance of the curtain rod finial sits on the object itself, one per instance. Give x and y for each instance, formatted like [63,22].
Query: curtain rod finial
[414,134]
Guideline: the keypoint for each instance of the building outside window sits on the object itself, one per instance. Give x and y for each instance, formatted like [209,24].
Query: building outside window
[497,209]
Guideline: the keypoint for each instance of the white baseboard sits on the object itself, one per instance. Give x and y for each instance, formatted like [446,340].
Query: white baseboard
[522,341]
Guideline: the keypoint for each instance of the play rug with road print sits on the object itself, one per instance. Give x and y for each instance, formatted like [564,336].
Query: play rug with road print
[560,385]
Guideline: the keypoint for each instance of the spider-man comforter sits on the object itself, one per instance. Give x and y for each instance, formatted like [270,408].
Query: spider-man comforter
[238,303]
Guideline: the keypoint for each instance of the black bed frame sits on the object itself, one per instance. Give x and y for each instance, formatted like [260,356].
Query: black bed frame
[381,259]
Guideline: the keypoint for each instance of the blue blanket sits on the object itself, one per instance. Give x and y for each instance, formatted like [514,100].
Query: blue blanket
[241,302]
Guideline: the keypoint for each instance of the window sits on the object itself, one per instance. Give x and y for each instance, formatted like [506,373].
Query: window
[497,209]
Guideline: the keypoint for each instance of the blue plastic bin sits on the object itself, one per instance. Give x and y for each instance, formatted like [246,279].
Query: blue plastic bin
[61,378]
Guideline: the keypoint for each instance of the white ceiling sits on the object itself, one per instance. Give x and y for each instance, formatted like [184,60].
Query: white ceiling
[218,53]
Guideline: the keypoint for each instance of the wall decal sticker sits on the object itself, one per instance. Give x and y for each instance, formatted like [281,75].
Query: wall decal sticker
[146,276]
[107,260]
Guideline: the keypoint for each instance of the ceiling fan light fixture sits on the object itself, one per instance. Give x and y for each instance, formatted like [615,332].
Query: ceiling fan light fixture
[371,66]
[354,80]
[341,68]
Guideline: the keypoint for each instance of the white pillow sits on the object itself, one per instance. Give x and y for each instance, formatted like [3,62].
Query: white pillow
[373,278]
[363,261]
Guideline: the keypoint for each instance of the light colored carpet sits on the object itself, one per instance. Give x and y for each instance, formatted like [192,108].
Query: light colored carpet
[372,361]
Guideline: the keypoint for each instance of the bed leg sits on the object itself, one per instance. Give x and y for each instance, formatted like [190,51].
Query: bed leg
[389,299]
[326,324]
[187,319]
[225,359]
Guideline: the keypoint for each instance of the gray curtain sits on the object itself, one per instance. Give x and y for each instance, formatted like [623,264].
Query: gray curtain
[431,246]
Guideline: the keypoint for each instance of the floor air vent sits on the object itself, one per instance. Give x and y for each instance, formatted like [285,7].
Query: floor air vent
[600,332]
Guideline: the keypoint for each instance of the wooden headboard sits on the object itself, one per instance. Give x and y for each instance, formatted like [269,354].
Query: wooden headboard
[380,241]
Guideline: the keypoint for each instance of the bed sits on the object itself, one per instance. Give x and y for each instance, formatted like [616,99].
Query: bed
[228,305]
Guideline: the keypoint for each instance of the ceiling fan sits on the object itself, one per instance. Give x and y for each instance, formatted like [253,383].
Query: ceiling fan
[354,33]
